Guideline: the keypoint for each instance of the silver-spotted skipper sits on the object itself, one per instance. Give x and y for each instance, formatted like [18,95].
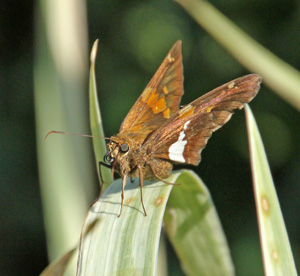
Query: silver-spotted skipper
[156,133]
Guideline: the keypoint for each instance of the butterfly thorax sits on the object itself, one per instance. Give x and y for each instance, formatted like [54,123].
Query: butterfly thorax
[126,154]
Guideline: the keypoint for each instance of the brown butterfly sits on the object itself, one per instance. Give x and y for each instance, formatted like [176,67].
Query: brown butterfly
[156,133]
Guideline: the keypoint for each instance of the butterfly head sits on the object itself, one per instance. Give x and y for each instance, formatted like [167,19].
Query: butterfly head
[118,153]
[115,150]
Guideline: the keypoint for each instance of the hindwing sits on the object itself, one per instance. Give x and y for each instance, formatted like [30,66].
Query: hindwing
[186,134]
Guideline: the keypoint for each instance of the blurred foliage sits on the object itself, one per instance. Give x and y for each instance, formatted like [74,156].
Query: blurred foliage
[134,36]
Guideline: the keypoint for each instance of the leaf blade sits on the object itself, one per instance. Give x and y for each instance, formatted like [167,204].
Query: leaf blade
[276,249]
[130,243]
[194,229]
[277,74]
[96,122]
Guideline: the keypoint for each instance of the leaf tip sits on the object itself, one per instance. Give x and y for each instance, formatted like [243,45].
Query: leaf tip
[94,51]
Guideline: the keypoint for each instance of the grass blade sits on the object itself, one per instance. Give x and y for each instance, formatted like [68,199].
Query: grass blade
[194,229]
[96,122]
[64,163]
[277,74]
[276,250]
[127,245]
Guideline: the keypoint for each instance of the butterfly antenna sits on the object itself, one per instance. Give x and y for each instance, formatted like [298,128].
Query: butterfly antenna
[76,134]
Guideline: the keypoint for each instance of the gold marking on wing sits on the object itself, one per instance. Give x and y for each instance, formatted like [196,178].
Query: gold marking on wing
[136,128]
[166,113]
[153,98]
[209,109]
[186,111]
[159,106]
[165,90]
[146,93]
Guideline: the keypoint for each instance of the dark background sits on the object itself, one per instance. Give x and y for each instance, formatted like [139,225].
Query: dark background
[124,70]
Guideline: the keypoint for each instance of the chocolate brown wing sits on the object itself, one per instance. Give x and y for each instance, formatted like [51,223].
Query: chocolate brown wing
[185,135]
[160,99]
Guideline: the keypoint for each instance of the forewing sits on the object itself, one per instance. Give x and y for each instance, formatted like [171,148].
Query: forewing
[185,135]
[160,99]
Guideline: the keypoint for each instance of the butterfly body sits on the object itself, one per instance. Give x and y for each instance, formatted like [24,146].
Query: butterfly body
[156,133]
[137,156]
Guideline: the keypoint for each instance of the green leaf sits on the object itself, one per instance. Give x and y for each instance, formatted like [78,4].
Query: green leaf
[280,76]
[129,245]
[96,123]
[194,229]
[277,255]
[65,178]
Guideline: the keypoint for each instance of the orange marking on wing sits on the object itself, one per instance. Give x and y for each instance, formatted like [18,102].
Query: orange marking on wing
[136,127]
[166,113]
[146,93]
[165,90]
[186,111]
[209,109]
[153,98]
[159,106]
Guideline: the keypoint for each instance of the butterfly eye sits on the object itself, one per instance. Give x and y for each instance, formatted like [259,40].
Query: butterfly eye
[124,147]
[108,158]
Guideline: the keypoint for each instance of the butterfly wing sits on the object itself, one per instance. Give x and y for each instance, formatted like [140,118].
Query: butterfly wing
[186,134]
[160,99]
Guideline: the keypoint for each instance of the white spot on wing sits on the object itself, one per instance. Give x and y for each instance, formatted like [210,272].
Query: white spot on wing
[170,58]
[231,85]
[185,125]
[176,150]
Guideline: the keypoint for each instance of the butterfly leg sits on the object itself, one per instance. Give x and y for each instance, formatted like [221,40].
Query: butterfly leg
[160,179]
[122,194]
[141,188]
